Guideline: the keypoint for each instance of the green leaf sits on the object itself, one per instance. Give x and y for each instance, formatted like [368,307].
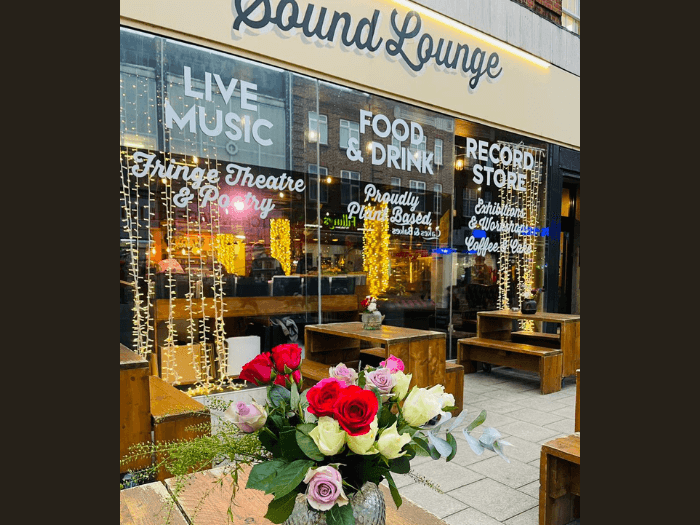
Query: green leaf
[386,419]
[289,445]
[421,447]
[305,428]
[280,509]
[340,515]
[289,477]
[308,446]
[394,490]
[294,397]
[278,395]
[400,465]
[262,474]
[453,443]
[478,421]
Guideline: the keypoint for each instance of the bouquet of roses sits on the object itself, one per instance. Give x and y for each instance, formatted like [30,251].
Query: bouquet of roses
[352,428]
[369,304]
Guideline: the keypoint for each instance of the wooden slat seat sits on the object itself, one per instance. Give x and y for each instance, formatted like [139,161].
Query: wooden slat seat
[376,351]
[312,372]
[547,362]
[537,335]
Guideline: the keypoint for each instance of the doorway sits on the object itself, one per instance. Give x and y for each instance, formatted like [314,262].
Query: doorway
[570,247]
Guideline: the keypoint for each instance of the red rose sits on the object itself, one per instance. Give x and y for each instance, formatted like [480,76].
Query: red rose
[297,377]
[355,409]
[258,371]
[288,355]
[322,396]
[281,379]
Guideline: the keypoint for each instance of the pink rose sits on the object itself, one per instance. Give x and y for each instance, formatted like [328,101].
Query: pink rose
[394,364]
[381,379]
[325,488]
[248,418]
[343,373]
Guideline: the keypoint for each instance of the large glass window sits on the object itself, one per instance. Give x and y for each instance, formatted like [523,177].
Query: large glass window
[220,207]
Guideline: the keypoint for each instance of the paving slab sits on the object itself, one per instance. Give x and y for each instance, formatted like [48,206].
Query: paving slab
[448,476]
[535,416]
[494,499]
[529,517]
[531,489]
[439,504]
[514,474]
[470,516]
[529,431]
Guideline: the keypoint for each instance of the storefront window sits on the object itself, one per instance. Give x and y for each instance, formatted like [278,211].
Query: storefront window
[252,196]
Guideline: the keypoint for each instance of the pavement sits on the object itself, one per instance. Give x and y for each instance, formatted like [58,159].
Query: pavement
[485,489]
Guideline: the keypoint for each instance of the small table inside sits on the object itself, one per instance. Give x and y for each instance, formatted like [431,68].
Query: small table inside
[422,351]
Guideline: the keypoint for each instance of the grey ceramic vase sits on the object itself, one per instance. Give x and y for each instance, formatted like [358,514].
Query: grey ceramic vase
[368,508]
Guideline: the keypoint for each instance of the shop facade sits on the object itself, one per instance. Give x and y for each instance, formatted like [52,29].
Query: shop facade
[280,160]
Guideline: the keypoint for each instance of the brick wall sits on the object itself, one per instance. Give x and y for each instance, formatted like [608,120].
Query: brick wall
[549,9]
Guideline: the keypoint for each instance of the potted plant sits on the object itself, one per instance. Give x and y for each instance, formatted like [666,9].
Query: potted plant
[371,316]
[529,305]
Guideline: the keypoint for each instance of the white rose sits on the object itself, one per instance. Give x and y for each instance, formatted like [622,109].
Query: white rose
[402,382]
[372,307]
[328,436]
[421,406]
[447,400]
[364,444]
[390,442]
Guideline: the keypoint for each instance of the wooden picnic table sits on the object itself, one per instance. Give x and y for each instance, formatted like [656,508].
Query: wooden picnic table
[422,351]
[150,504]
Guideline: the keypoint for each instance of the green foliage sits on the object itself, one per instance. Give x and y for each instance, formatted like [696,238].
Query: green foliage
[340,515]
[279,509]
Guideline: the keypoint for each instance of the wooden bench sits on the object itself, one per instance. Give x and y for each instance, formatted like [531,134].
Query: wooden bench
[147,404]
[175,416]
[547,362]
[560,481]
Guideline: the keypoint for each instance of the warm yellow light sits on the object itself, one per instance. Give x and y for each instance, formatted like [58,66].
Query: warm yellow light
[281,194]
[195,159]
[472,32]
[239,205]
[280,243]
[459,164]
[329,180]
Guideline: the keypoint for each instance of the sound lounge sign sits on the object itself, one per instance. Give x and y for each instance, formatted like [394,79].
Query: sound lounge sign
[413,48]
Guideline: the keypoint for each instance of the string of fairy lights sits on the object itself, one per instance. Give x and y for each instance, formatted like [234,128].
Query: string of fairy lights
[520,268]
[375,251]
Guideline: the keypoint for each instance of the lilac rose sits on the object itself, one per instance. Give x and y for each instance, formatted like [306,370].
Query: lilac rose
[382,379]
[248,418]
[325,488]
[343,373]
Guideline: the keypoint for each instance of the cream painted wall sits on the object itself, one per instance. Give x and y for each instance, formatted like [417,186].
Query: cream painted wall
[527,98]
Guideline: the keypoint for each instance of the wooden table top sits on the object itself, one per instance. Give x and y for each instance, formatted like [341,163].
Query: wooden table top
[568,448]
[144,505]
[539,316]
[385,334]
